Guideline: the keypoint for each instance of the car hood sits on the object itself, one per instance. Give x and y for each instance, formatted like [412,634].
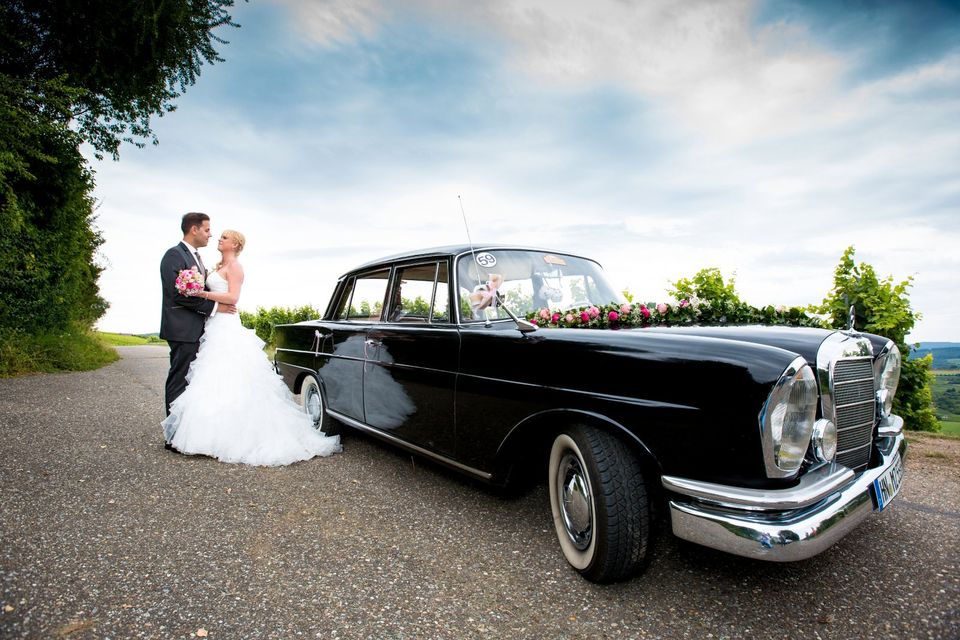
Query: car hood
[804,341]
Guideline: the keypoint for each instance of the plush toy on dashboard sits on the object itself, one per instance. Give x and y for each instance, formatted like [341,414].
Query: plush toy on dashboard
[484,296]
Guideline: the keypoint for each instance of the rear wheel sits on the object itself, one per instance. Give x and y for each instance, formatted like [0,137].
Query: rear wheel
[599,501]
[311,399]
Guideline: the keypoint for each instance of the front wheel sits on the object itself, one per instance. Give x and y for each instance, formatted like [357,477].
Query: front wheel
[599,501]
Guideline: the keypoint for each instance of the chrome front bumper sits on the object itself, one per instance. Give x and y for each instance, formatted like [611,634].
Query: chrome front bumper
[780,526]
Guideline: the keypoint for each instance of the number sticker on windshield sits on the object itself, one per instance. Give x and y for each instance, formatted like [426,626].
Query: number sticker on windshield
[486,260]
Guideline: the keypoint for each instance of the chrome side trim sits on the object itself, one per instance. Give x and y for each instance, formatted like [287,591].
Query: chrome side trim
[326,355]
[815,485]
[403,444]
[285,350]
[784,536]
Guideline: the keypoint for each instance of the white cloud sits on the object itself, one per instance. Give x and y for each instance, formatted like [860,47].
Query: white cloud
[333,22]
[750,151]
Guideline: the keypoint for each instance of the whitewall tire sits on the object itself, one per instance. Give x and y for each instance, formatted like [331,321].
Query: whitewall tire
[599,502]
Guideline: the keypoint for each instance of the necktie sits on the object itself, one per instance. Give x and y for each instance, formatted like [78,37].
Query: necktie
[200,263]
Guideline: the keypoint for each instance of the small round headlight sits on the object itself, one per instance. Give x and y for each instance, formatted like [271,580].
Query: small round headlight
[824,440]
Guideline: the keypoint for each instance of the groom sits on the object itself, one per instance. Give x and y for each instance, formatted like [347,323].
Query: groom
[182,318]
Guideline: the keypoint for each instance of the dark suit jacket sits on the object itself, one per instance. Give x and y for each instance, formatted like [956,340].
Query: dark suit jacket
[182,317]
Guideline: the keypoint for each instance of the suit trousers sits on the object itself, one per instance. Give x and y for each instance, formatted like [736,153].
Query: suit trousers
[181,355]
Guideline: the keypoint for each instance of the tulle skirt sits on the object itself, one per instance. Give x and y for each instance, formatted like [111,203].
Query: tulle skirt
[236,408]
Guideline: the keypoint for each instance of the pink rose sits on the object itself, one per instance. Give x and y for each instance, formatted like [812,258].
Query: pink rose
[555,318]
[533,321]
[644,311]
[662,308]
[613,316]
[568,317]
[544,313]
[594,312]
[584,317]
[684,304]
[625,309]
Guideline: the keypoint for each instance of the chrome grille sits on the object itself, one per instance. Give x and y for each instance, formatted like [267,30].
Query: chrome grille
[854,409]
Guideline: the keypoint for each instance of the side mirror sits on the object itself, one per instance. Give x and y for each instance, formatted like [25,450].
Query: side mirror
[525,326]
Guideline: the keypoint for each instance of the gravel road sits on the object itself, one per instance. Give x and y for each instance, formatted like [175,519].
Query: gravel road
[105,534]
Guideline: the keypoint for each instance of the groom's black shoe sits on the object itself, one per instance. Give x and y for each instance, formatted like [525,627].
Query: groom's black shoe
[168,446]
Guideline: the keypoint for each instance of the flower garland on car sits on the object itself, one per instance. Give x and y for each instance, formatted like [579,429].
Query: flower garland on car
[682,312]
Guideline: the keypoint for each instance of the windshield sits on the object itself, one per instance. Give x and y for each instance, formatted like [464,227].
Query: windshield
[526,281]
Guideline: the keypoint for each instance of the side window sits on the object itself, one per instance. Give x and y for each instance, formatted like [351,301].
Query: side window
[366,297]
[343,305]
[417,291]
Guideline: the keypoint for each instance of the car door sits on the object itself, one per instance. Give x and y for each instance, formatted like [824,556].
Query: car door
[358,309]
[408,383]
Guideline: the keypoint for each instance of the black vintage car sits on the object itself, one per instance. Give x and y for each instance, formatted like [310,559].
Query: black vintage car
[766,442]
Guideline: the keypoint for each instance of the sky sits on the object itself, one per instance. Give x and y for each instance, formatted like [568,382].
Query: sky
[657,137]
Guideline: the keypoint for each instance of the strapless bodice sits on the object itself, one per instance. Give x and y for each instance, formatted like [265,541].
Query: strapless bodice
[216,282]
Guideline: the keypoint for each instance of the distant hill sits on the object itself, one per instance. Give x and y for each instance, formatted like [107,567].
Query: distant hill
[939,345]
[946,355]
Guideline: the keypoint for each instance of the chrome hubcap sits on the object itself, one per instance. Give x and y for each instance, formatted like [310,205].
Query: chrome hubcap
[576,505]
[314,405]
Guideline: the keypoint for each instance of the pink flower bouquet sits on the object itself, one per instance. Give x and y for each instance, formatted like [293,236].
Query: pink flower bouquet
[189,282]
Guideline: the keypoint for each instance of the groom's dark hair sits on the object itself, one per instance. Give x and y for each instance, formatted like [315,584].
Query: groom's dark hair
[191,220]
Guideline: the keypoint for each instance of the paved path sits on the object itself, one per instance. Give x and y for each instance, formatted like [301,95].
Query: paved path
[104,534]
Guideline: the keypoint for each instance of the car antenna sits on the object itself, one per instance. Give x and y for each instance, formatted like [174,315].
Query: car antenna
[486,320]
[522,325]
[470,240]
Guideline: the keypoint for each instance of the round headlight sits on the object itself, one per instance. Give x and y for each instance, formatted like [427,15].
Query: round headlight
[888,377]
[824,440]
[787,419]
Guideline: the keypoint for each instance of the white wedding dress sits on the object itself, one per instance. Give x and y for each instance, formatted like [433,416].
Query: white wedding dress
[236,408]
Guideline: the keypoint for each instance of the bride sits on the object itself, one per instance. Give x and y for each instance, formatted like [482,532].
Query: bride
[235,407]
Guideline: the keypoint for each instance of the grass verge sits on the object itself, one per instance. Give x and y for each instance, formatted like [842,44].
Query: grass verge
[950,428]
[127,340]
[68,350]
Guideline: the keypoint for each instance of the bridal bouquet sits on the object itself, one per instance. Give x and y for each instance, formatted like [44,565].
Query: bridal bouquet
[190,282]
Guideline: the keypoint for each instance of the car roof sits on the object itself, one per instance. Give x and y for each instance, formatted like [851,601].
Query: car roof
[453,250]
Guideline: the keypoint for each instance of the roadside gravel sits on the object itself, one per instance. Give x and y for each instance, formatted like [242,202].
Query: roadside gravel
[104,534]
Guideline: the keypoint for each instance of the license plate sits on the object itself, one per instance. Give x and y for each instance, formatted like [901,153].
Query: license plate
[886,486]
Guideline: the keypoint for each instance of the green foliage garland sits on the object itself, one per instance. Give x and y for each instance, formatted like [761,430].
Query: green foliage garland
[704,299]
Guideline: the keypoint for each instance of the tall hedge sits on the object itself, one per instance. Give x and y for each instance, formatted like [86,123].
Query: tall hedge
[75,71]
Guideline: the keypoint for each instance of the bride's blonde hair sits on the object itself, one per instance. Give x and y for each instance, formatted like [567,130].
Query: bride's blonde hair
[238,239]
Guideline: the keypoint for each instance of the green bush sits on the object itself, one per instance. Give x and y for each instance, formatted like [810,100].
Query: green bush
[883,307]
[264,320]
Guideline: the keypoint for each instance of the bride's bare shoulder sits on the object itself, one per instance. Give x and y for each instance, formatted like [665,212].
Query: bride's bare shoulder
[235,270]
